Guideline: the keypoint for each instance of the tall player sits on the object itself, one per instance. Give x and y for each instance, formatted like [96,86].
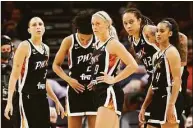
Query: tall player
[79,48]
[165,90]
[108,96]
[142,36]
[30,70]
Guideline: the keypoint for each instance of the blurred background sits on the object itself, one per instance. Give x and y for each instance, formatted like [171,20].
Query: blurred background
[57,16]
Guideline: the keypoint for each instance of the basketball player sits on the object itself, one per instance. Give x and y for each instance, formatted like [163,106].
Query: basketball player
[106,57]
[30,69]
[142,36]
[165,89]
[79,48]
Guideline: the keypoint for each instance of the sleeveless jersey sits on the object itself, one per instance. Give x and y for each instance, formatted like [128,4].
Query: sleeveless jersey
[79,57]
[102,61]
[145,51]
[161,72]
[33,76]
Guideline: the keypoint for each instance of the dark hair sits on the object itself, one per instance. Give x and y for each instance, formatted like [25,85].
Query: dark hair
[82,22]
[173,26]
[5,40]
[144,20]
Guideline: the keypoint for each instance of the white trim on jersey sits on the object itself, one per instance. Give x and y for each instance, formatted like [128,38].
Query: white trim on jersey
[24,122]
[167,102]
[97,43]
[110,91]
[41,52]
[135,42]
[113,68]
[21,85]
[86,46]
[167,71]
[106,61]
[76,113]
[70,52]
[152,44]
[22,80]
[90,113]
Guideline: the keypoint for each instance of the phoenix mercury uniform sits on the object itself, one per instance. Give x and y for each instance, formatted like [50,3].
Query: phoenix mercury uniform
[34,108]
[145,51]
[106,95]
[79,57]
[162,88]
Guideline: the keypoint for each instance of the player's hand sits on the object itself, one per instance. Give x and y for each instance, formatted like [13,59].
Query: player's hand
[105,78]
[141,116]
[91,84]
[8,110]
[59,109]
[53,115]
[76,85]
[170,114]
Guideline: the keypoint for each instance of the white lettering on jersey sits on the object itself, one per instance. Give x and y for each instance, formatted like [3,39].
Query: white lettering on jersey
[88,69]
[40,64]
[85,77]
[41,86]
[84,58]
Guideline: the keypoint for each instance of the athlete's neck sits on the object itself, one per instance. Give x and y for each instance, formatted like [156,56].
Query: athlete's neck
[136,35]
[36,40]
[164,45]
[103,38]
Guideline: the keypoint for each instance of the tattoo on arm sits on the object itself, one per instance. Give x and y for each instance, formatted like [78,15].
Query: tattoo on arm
[183,49]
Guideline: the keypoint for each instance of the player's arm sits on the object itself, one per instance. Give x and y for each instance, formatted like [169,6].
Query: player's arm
[174,60]
[149,33]
[19,57]
[116,48]
[183,48]
[51,94]
[59,58]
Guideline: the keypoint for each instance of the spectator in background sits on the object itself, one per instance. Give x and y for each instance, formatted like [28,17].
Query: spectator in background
[6,67]
[188,123]
[16,15]
[190,62]
[10,29]
[7,8]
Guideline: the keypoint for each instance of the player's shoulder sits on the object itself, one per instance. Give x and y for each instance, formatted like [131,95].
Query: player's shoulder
[24,44]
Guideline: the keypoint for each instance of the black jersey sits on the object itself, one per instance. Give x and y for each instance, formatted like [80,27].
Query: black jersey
[161,72]
[145,51]
[79,59]
[102,61]
[33,76]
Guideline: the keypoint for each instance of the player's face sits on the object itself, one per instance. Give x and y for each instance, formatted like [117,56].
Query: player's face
[99,25]
[131,23]
[84,39]
[36,27]
[163,33]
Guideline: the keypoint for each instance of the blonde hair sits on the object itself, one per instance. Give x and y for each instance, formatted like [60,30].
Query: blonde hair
[105,16]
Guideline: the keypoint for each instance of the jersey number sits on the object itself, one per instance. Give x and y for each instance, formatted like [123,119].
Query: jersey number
[157,76]
[96,69]
[147,61]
